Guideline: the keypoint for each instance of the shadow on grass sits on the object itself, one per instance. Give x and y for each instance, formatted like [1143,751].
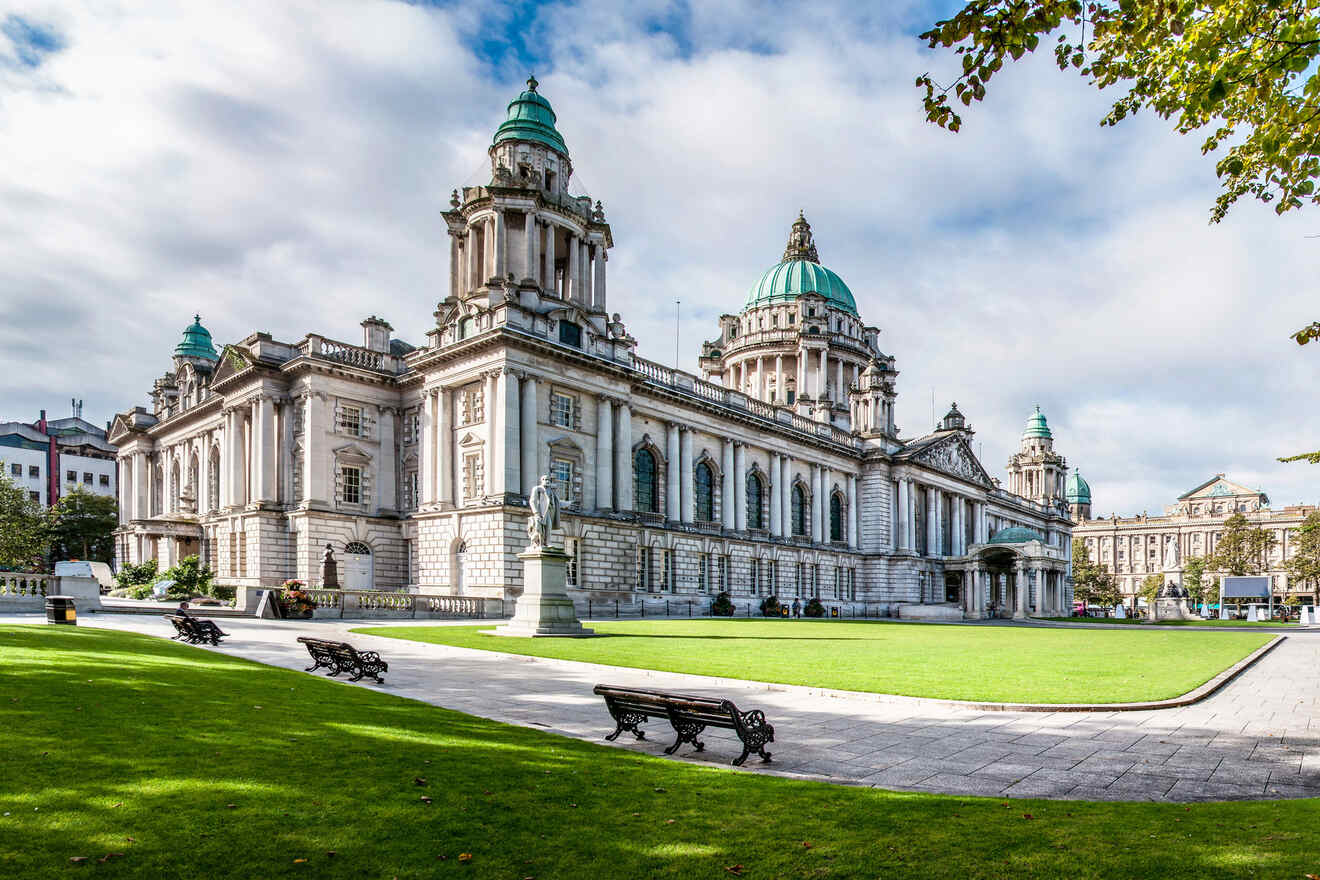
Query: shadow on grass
[194,764]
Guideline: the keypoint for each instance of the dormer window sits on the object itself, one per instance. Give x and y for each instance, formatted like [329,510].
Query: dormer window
[550,181]
[570,334]
[811,311]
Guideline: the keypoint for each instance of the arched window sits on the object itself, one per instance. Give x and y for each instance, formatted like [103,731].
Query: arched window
[836,518]
[645,498]
[705,485]
[799,511]
[357,548]
[174,487]
[213,481]
[754,513]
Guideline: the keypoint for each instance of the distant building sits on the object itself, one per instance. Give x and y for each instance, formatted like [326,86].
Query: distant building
[1134,547]
[51,457]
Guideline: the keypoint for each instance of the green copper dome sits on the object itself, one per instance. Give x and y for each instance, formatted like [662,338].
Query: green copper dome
[1076,490]
[196,342]
[531,119]
[799,272]
[1036,426]
[1016,535]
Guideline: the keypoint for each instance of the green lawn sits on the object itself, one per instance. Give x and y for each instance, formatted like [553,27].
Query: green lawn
[179,762]
[1138,621]
[994,663]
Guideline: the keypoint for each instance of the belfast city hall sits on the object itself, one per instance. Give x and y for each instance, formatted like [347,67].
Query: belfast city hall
[777,469]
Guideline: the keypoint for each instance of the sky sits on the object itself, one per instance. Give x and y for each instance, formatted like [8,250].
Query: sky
[282,167]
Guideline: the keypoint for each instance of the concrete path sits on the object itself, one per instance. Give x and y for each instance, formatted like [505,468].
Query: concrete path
[1258,738]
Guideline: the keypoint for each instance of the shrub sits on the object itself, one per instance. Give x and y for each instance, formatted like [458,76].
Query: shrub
[190,577]
[227,592]
[130,575]
[813,608]
[722,606]
[770,606]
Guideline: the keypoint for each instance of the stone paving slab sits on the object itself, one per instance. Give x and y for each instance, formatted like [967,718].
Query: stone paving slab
[1256,738]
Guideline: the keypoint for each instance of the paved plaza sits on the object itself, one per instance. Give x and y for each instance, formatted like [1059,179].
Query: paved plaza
[1257,738]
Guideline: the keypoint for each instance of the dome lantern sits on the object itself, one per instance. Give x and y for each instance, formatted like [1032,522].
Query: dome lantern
[196,342]
[531,118]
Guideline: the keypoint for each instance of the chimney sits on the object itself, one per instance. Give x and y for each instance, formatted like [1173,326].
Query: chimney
[376,335]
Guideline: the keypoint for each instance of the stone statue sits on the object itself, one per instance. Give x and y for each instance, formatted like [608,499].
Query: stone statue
[329,569]
[1171,554]
[545,513]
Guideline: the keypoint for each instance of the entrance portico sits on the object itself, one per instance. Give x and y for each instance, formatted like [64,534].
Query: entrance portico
[1014,575]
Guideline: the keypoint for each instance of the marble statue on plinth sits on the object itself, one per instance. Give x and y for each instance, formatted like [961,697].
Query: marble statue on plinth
[543,609]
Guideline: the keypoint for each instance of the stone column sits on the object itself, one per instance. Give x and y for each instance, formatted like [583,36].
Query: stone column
[727,503]
[443,483]
[529,241]
[313,448]
[1020,588]
[604,454]
[494,465]
[780,395]
[740,486]
[387,497]
[1040,590]
[237,465]
[817,501]
[852,512]
[474,258]
[673,497]
[286,459]
[786,496]
[509,444]
[263,451]
[820,376]
[840,393]
[623,460]
[933,522]
[530,441]
[501,246]
[903,543]
[572,281]
[549,284]
[687,477]
[584,273]
[140,503]
[426,466]
[598,287]
[776,506]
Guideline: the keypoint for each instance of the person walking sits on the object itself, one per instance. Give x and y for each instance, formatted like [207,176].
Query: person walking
[797,608]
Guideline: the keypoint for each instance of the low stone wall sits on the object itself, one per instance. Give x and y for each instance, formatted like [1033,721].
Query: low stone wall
[22,591]
[383,605]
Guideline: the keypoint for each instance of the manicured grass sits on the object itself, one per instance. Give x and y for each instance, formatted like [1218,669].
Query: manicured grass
[994,663]
[1137,621]
[192,764]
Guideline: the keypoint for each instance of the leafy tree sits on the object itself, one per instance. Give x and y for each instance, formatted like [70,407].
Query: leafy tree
[1241,70]
[1150,587]
[1194,580]
[1303,566]
[130,575]
[1241,549]
[23,535]
[82,526]
[1093,582]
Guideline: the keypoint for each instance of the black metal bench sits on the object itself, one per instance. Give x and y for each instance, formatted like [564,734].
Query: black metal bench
[196,631]
[337,657]
[689,715]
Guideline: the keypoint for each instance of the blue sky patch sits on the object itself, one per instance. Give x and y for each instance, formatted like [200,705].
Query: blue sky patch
[32,42]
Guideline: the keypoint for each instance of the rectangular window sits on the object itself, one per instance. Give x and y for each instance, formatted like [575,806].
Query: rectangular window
[561,409]
[573,547]
[755,574]
[666,571]
[797,579]
[643,569]
[35,496]
[87,477]
[350,420]
[838,582]
[34,470]
[352,485]
[104,480]
[772,578]
[473,408]
[815,579]
[703,572]
[852,584]
[71,477]
[561,475]
[16,470]
[472,475]
[723,573]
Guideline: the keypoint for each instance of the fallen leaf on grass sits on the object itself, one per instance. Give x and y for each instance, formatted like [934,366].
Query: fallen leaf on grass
[735,870]
[806,844]
[131,839]
[425,799]
[1027,816]
[299,861]
[669,821]
[419,780]
[107,857]
[662,790]
[231,806]
[78,860]
[330,853]
[465,857]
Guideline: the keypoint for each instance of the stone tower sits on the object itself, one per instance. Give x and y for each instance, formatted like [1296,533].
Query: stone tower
[1078,496]
[1037,472]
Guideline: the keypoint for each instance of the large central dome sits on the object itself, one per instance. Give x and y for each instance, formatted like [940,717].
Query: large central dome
[800,272]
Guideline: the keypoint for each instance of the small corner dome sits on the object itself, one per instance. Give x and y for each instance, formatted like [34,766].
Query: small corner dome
[799,272]
[1016,535]
[196,342]
[530,118]
[1037,427]
[1077,491]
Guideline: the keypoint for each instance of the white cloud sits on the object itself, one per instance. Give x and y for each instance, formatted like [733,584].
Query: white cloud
[282,167]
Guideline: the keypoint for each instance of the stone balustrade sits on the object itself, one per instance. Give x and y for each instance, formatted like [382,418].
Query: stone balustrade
[380,603]
[317,346]
[25,584]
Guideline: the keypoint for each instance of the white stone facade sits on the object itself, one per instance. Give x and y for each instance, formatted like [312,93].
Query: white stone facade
[672,484]
[1137,546]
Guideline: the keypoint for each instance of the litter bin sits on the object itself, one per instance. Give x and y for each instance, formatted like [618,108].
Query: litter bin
[834,611]
[60,609]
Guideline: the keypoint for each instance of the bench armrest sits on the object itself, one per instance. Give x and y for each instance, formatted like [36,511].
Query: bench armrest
[753,719]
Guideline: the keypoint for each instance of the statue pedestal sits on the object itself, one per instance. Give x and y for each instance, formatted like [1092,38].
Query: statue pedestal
[544,609]
[1171,609]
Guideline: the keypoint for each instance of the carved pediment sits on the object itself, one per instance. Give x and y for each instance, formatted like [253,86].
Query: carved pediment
[232,361]
[953,456]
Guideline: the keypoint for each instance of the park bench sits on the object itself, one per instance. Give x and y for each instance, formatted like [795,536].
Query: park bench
[337,657]
[196,631]
[689,715]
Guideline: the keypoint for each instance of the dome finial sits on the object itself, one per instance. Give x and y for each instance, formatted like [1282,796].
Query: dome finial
[531,82]
[800,245]
[197,318]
